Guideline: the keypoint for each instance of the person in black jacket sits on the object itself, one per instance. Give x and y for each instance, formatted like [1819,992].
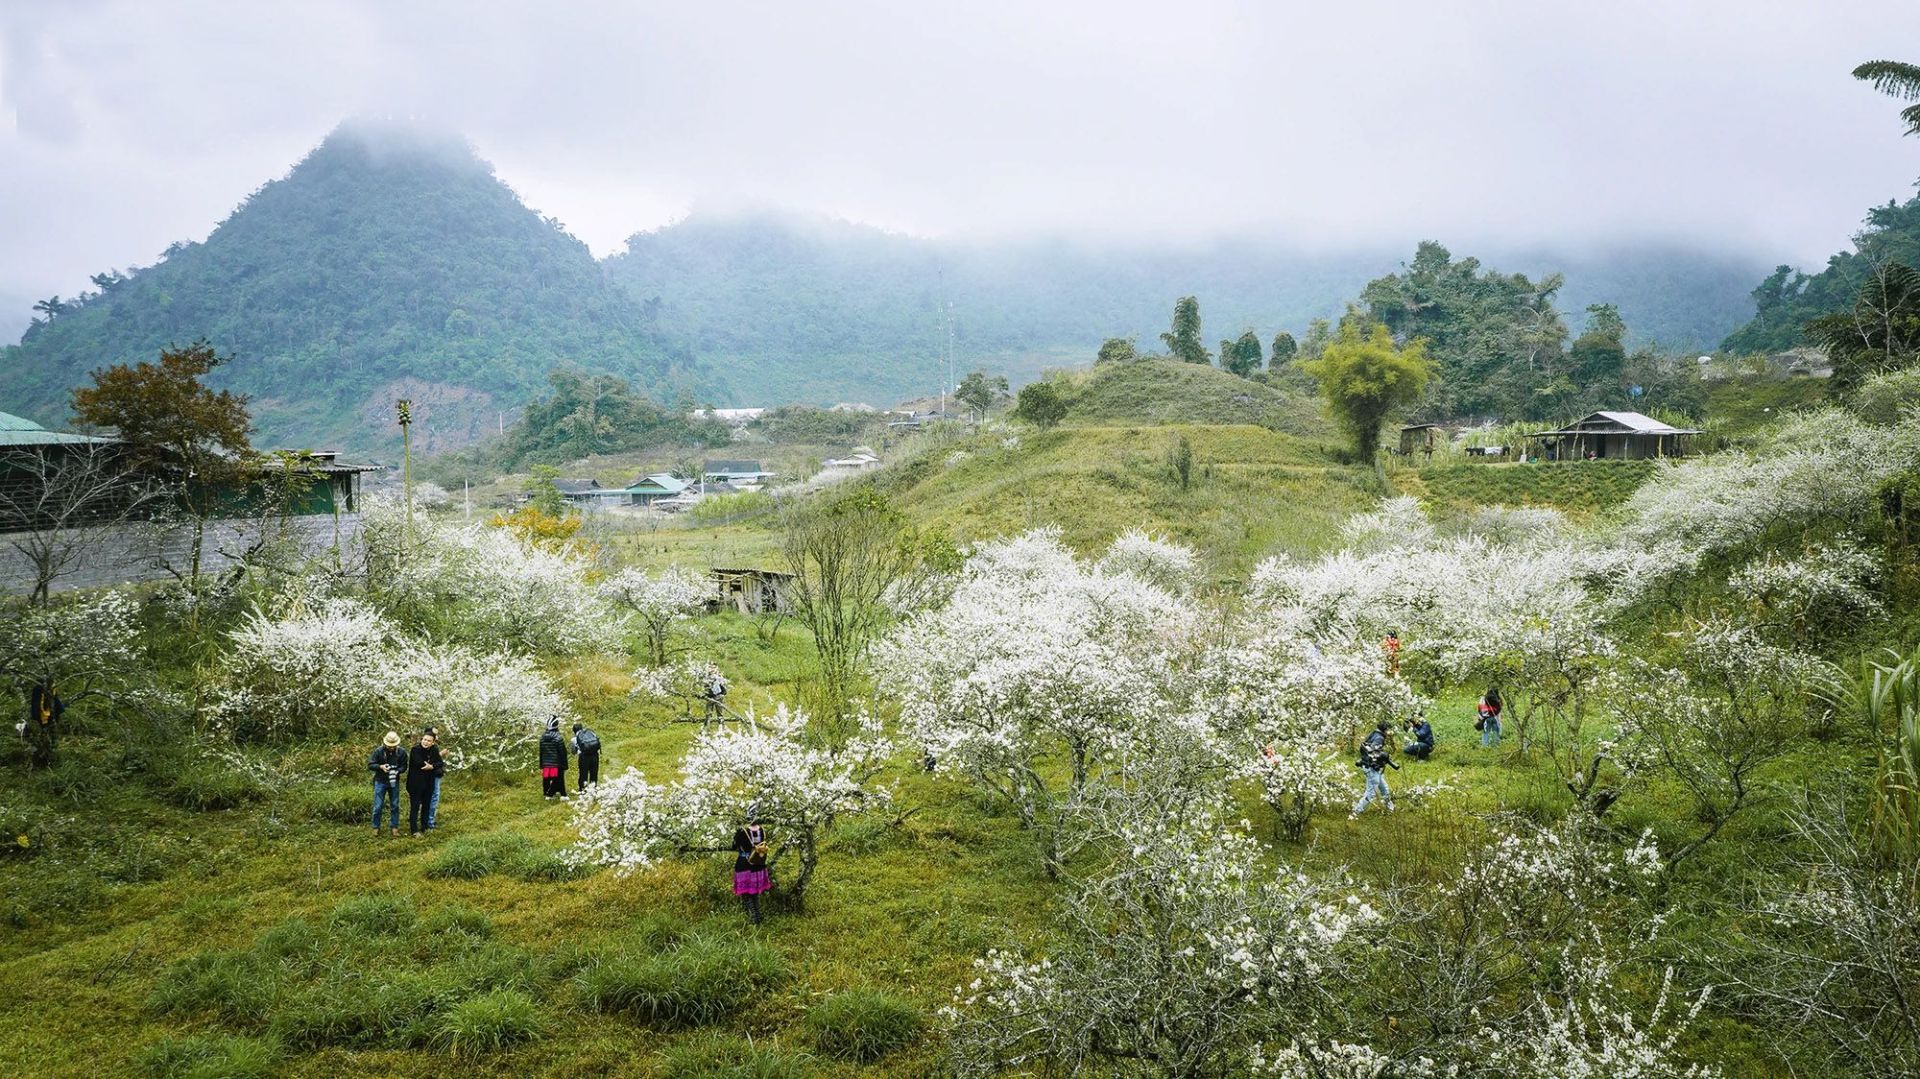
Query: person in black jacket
[1374,762]
[586,747]
[1422,745]
[388,765]
[750,873]
[553,760]
[423,767]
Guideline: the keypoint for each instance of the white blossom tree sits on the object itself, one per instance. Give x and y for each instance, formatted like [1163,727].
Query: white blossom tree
[658,602]
[772,769]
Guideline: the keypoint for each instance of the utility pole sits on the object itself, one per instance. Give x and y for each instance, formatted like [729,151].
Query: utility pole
[403,408]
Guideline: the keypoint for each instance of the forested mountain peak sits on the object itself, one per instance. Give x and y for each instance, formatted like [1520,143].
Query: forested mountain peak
[390,261]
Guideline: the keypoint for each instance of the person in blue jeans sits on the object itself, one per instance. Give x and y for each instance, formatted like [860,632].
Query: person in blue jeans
[431,737]
[1374,762]
[1490,708]
[389,766]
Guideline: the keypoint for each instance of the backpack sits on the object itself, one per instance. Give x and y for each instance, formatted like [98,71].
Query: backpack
[589,741]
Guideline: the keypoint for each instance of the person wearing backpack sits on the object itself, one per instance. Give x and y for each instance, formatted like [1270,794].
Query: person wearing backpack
[1374,762]
[750,871]
[553,760]
[714,689]
[586,747]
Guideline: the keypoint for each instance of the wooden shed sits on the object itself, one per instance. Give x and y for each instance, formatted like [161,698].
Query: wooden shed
[1614,435]
[753,591]
[1421,438]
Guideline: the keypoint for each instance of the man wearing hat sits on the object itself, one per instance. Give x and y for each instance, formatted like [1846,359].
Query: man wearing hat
[388,765]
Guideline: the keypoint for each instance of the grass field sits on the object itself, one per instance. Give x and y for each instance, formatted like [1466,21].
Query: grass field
[1579,487]
[280,933]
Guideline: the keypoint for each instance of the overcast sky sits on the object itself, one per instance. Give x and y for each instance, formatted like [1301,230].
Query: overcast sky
[125,126]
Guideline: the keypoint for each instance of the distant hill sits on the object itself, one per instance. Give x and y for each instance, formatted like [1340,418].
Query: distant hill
[816,310]
[385,264]
[1170,392]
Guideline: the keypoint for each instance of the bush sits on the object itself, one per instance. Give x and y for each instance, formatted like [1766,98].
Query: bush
[374,915]
[473,857]
[863,1024]
[723,1056]
[216,1057]
[491,1021]
[699,981]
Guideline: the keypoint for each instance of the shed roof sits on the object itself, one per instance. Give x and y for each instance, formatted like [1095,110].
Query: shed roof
[576,487]
[751,468]
[20,431]
[1632,423]
[657,482]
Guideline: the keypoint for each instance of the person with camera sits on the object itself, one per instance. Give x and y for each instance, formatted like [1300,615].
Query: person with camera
[586,751]
[1422,745]
[750,871]
[388,765]
[1375,762]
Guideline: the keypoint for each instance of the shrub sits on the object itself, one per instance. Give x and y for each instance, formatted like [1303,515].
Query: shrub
[374,914]
[473,857]
[216,1057]
[543,863]
[723,1056]
[489,1022]
[699,981]
[863,1024]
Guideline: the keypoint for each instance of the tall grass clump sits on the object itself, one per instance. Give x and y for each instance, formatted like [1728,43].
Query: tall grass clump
[864,1024]
[723,1056]
[375,914]
[698,981]
[489,1022]
[213,1057]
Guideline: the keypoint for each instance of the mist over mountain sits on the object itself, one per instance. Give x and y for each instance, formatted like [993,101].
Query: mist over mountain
[388,263]
[806,308]
[392,262]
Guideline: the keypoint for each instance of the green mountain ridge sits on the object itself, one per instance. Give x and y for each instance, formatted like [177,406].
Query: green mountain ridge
[385,264]
[819,310]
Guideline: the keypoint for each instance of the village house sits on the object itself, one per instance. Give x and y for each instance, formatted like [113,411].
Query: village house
[1613,436]
[653,488]
[859,459]
[741,475]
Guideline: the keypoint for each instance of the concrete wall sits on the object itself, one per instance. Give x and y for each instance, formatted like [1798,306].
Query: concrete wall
[125,554]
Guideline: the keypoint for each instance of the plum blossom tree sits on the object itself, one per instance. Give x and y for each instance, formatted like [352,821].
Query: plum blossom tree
[1035,655]
[798,789]
[1175,959]
[84,647]
[658,602]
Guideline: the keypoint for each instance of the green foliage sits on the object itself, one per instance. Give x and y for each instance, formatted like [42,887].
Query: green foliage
[506,853]
[1180,460]
[543,493]
[713,1055]
[1116,350]
[1898,80]
[1041,404]
[1242,356]
[1789,299]
[1495,338]
[352,267]
[490,1022]
[1284,349]
[978,391]
[1880,334]
[202,784]
[1183,340]
[697,981]
[217,1056]
[1576,486]
[804,423]
[584,414]
[374,914]
[1162,391]
[864,1024]
[1366,377]
[1889,397]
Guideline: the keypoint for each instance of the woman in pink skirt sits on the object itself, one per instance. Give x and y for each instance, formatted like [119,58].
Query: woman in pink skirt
[750,866]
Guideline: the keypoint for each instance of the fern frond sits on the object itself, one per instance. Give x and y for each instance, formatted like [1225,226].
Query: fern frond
[1901,80]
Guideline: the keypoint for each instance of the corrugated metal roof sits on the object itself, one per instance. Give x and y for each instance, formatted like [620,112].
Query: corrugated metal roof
[20,431]
[1633,422]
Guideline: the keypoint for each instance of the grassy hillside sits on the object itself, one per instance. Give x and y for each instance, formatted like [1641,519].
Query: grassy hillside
[1253,491]
[1163,391]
